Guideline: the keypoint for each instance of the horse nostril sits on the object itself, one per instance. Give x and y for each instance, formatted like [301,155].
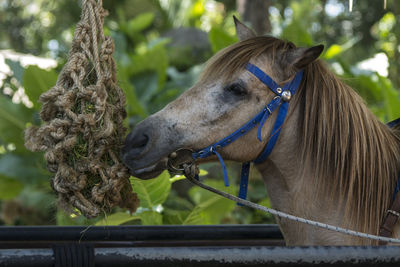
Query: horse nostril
[140,141]
[136,144]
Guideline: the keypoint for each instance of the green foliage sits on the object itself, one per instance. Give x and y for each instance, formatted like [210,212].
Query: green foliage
[148,217]
[297,30]
[118,218]
[204,208]
[13,120]
[152,192]
[133,28]
[300,34]
[220,39]
[37,81]
[152,59]
[211,208]
[336,50]
[140,23]
[379,93]
[9,187]
[25,168]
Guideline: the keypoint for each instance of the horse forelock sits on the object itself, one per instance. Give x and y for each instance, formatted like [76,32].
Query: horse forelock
[356,158]
[233,59]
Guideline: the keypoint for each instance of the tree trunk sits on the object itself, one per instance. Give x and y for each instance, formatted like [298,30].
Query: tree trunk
[256,14]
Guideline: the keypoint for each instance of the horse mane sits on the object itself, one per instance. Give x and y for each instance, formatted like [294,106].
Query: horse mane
[356,158]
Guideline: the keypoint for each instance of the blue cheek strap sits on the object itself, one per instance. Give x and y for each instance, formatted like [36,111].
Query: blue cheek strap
[280,102]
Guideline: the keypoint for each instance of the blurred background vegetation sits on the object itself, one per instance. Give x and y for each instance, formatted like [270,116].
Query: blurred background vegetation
[161,46]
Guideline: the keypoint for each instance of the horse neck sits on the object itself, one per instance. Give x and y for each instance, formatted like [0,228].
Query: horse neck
[290,188]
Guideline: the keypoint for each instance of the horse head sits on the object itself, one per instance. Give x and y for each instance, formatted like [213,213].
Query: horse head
[225,97]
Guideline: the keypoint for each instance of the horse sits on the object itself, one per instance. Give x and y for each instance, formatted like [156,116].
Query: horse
[334,161]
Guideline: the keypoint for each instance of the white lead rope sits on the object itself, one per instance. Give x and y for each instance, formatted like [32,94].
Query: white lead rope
[292,217]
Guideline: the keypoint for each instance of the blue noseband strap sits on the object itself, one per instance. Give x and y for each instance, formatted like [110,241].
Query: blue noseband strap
[280,102]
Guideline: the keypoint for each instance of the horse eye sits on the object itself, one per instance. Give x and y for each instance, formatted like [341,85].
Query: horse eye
[237,89]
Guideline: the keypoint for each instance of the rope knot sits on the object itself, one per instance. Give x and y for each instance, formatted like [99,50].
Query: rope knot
[107,49]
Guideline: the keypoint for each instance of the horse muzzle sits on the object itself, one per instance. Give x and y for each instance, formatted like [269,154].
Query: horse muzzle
[145,151]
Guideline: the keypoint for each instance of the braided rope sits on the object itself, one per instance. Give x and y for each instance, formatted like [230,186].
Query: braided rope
[83,124]
[191,171]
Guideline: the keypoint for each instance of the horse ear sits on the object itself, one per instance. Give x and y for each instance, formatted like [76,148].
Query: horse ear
[301,57]
[243,32]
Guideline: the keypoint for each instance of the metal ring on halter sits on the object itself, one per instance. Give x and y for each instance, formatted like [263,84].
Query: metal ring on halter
[173,169]
[179,169]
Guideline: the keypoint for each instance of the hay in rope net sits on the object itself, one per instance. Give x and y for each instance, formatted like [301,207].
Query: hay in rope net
[83,124]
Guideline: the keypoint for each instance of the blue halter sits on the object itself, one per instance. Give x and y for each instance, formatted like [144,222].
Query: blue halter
[280,102]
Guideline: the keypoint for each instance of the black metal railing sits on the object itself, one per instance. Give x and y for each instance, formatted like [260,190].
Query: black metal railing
[213,245]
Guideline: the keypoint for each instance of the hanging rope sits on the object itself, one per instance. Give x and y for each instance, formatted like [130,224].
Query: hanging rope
[83,124]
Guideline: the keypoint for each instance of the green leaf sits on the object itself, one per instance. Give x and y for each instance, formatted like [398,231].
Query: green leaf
[36,81]
[9,187]
[391,99]
[64,219]
[203,172]
[140,22]
[118,218]
[266,202]
[134,107]
[13,119]
[210,208]
[175,217]
[146,217]
[147,85]
[177,178]
[182,177]
[210,211]
[296,33]
[332,51]
[121,57]
[335,49]
[194,217]
[265,215]
[153,59]
[150,218]
[152,192]
[199,195]
[219,39]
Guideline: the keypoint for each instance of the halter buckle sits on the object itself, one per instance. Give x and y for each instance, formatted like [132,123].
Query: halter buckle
[395,213]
